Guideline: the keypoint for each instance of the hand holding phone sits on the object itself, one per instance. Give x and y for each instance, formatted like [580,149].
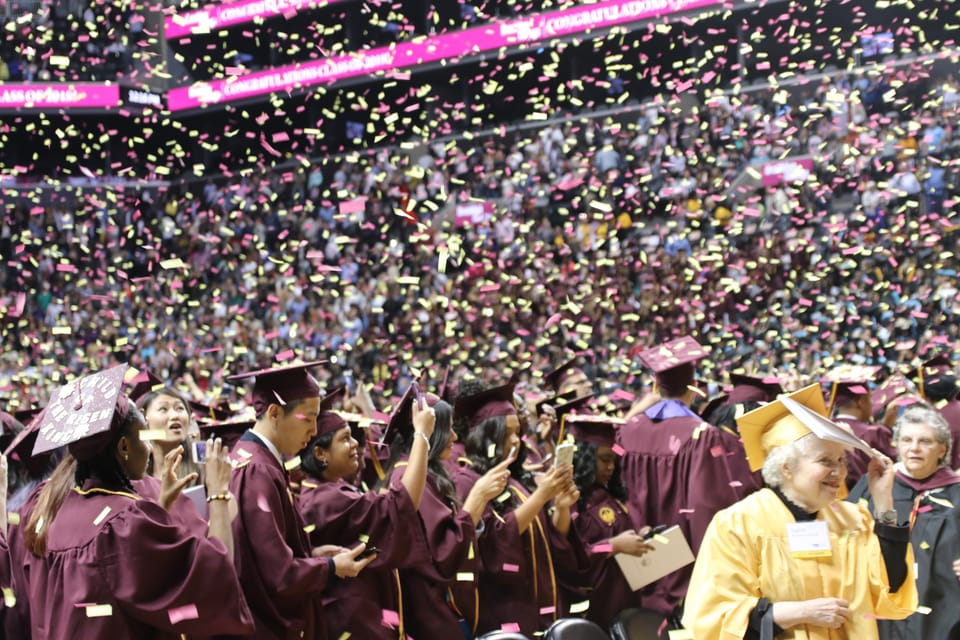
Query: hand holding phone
[369,551]
[564,455]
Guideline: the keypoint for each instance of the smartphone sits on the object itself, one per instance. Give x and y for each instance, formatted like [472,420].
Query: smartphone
[660,528]
[198,449]
[513,453]
[348,381]
[369,551]
[564,455]
[418,396]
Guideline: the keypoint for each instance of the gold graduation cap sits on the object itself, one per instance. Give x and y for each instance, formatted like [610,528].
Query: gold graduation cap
[788,418]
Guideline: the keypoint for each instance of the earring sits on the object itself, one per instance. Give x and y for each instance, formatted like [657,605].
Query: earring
[126,457]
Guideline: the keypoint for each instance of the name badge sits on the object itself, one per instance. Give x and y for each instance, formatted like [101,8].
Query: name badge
[809,539]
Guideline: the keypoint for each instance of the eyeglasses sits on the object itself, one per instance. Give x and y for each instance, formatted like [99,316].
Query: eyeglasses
[923,442]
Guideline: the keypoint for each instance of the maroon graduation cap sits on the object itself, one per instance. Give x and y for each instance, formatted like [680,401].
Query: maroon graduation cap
[81,414]
[281,385]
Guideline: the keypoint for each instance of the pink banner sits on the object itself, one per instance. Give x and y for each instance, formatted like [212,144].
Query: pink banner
[530,30]
[218,16]
[58,94]
[473,213]
[789,171]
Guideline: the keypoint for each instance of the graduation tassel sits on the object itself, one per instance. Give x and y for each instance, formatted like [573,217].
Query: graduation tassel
[833,398]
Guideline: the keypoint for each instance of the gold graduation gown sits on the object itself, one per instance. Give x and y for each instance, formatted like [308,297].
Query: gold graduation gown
[745,556]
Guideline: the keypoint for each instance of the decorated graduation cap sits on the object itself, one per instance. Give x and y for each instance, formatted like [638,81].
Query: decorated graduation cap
[281,385]
[489,403]
[787,419]
[555,379]
[143,383]
[84,414]
[673,363]
[599,430]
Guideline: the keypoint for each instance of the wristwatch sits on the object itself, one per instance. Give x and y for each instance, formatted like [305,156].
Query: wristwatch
[886,517]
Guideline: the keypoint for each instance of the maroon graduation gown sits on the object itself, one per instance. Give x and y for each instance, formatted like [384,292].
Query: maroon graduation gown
[437,594]
[877,436]
[183,510]
[281,581]
[16,621]
[523,575]
[951,413]
[339,513]
[680,470]
[601,518]
[124,552]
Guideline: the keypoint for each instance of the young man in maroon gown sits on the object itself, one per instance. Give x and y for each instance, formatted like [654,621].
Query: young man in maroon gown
[281,578]
[678,469]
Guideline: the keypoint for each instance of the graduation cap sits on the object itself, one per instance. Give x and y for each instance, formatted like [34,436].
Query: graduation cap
[281,385]
[21,446]
[401,420]
[143,383]
[27,416]
[555,379]
[673,364]
[327,420]
[229,431]
[600,430]
[849,382]
[789,418]
[83,414]
[489,403]
[211,413]
[935,377]
[891,388]
[750,388]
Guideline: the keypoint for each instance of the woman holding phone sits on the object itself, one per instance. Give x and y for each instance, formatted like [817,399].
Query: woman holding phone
[338,513]
[521,544]
[440,597]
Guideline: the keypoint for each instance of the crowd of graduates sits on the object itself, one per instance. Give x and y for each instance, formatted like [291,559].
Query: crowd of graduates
[135,511]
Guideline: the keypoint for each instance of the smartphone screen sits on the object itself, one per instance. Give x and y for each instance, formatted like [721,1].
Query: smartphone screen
[199,449]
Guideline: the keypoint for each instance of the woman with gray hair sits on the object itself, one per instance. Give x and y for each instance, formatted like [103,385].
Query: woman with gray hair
[790,560]
[927,492]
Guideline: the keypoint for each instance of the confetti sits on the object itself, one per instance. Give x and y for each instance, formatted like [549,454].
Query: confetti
[185,612]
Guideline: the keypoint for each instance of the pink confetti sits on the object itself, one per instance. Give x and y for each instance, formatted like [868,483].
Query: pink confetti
[186,612]
[602,547]
[717,451]
[512,627]
[285,355]
[545,611]
[617,449]
[511,568]
[390,619]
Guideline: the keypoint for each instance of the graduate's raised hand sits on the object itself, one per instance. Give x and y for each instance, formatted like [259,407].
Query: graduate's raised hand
[347,564]
[424,419]
[880,474]
[551,483]
[170,484]
[217,468]
[493,482]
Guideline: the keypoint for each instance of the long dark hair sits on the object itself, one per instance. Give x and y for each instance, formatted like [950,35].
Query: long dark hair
[105,466]
[436,468]
[585,473]
[489,437]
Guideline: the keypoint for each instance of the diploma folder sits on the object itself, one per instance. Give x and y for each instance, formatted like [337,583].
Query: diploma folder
[670,552]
